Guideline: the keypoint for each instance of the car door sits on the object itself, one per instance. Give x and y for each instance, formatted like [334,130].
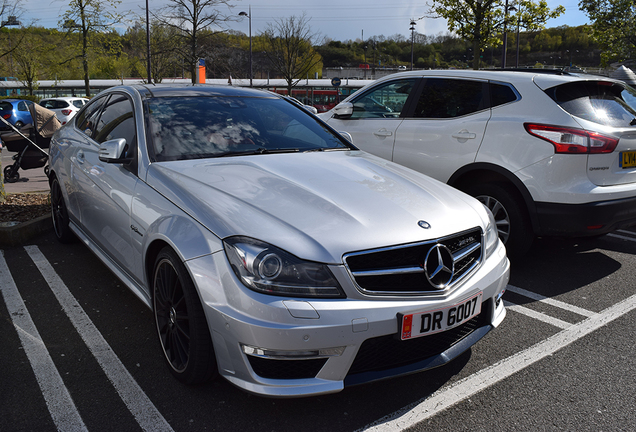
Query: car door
[105,190]
[445,128]
[377,113]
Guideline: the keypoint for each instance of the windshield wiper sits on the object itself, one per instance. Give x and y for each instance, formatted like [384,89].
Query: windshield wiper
[261,150]
[326,149]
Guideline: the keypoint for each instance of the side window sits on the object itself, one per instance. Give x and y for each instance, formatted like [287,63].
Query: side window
[86,121]
[22,106]
[116,121]
[448,98]
[384,101]
[78,103]
[501,94]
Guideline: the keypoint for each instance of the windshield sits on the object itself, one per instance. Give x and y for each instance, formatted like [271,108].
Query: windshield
[216,126]
[602,102]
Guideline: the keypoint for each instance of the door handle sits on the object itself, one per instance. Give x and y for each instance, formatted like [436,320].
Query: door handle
[464,134]
[383,133]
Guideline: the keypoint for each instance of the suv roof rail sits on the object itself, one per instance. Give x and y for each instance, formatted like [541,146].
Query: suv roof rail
[563,71]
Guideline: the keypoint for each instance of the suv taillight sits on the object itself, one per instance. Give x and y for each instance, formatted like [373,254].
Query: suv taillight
[573,141]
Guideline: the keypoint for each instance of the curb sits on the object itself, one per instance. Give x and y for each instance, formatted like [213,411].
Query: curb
[19,234]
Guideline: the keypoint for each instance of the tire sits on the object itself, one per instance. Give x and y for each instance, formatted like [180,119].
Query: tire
[180,321]
[9,175]
[59,214]
[511,216]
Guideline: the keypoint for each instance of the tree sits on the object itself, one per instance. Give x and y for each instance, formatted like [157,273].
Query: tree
[289,48]
[193,20]
[89,18]
[481,22]
[29,60]
[613,28]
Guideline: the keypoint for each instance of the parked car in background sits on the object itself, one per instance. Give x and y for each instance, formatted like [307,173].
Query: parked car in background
[16,112]
[271,250]
[64,107]
[549,154]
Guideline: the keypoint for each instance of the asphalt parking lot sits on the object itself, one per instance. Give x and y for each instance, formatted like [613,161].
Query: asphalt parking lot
[79,353]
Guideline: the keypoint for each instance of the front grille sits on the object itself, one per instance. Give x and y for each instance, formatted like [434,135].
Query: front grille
[400,269]
[387,352]
[286,369]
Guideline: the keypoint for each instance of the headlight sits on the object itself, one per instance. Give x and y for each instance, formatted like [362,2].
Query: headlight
[269,270]
[492,236]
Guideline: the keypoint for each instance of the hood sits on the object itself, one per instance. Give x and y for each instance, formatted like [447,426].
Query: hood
[317,206]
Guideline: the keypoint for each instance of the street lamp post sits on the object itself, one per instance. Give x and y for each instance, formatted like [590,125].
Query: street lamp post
[249,16]
[412,40]
[148,43]
[505,34]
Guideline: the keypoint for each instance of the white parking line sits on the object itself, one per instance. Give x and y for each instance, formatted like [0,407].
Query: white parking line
[536,315]
[146,414]
[551,302]
[622,237]
[56,396]
[461,390]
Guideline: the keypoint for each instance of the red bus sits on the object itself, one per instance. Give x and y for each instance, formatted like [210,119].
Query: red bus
[322,99]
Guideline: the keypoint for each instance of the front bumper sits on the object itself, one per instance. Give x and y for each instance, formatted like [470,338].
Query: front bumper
[283,347]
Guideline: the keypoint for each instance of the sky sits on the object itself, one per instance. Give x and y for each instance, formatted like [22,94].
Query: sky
[338,20]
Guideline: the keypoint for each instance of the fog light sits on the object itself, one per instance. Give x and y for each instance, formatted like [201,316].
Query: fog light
[292,355]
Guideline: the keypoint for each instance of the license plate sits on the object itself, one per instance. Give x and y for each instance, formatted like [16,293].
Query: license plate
[628,159]
[429,322]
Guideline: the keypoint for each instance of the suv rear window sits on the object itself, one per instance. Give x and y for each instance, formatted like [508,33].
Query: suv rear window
[54,104]
[601,102]
[6,106]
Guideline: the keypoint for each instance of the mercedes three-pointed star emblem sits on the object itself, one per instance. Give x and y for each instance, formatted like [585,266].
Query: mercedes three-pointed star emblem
[439,266]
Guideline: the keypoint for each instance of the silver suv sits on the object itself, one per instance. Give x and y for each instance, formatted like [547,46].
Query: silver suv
[549,154]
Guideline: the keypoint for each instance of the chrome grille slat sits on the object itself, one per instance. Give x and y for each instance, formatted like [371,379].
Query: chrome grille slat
[465,252]
[388,271]
[399,270]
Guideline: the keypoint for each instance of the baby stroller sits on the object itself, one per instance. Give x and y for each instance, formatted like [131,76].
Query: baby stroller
[29,142]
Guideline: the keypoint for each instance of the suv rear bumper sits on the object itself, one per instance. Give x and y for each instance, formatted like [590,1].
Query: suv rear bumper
[585,219]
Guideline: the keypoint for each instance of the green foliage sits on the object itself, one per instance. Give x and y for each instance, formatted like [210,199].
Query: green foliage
[614,27]
[482,22]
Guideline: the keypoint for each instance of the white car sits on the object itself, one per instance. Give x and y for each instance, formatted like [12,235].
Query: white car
[270,250]
[549,154]
[64,107]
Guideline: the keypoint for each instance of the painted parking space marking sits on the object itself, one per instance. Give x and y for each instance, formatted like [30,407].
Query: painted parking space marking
[469,386]
[550,301]
[623,237]
[56,396]
[537,315]
[144,411]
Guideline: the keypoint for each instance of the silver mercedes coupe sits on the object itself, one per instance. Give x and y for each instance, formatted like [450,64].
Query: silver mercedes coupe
[271,250]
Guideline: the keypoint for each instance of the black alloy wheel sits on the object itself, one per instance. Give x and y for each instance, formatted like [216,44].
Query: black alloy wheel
[180,320]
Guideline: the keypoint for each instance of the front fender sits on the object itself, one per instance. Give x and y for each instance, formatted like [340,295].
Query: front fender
[156,222]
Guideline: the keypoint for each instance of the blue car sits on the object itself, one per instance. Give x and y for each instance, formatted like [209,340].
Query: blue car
[16,112]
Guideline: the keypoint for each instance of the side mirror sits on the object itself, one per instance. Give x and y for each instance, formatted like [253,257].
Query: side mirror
[112,151]
[343,110]
[311,109]
[347,136]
